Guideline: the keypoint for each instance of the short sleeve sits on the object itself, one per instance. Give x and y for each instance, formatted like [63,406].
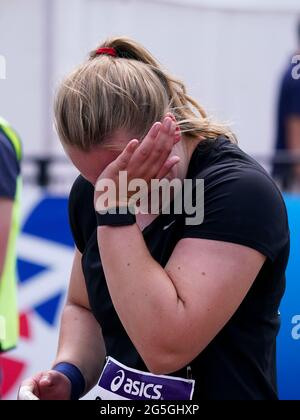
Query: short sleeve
[9,168]
[244,207]
[82,216]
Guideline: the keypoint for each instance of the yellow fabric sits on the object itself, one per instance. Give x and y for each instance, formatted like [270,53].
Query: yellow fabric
[12,136]
[9,320]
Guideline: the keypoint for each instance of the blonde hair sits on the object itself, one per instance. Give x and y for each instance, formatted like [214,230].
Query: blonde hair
[131,92]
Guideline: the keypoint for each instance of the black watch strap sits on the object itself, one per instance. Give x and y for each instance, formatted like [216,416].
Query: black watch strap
[117,216]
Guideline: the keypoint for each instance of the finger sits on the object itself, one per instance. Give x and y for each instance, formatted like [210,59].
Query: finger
[49,379]
[123,159]
[165,138]
[155,130]
[169,164]
[162,146]
[26,392]
[147,144]
[177,136]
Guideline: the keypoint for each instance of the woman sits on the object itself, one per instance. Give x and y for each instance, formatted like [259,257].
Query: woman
[196,305]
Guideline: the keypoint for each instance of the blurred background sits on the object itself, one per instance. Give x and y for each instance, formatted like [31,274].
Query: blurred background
[236,59]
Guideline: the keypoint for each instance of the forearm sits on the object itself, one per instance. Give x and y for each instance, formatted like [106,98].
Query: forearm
[81,343]
[143,294]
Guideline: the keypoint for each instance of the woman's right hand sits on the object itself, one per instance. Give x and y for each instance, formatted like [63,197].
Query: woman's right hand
[49,385]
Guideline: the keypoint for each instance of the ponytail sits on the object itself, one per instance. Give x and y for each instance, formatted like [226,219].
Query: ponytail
[122,86]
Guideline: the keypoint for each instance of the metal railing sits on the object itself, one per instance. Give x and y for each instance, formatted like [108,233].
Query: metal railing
[51,170]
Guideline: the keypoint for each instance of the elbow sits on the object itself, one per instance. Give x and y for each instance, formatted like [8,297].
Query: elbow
[164,363]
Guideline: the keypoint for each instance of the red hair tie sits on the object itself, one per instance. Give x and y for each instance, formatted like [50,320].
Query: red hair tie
[107,51]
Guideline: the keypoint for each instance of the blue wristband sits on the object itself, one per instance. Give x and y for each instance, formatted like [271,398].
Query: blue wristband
[75,376]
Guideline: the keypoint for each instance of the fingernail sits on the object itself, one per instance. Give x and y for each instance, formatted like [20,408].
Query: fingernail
[46,379]
[155,129]
[134,145]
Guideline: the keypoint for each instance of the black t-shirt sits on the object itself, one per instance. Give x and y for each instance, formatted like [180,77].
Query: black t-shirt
[242,205]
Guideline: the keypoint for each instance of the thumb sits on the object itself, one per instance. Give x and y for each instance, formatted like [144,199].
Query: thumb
[46,380]
[54,385]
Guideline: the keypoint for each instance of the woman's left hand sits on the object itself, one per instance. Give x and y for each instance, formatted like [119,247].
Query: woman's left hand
[147,160]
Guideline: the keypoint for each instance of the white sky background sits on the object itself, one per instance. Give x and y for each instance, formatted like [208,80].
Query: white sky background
[272,5]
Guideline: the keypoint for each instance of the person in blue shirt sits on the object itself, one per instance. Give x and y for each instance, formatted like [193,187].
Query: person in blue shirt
[288,126]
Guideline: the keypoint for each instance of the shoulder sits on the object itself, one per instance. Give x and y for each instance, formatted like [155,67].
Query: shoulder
[228,168]
[242,204]
[254,195]
[251,182]
[248,192]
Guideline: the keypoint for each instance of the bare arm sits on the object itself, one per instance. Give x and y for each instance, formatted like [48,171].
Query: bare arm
[176,305]
[80,341]
[6,206]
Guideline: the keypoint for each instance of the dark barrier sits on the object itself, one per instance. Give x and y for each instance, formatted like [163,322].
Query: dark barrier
[289,337]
